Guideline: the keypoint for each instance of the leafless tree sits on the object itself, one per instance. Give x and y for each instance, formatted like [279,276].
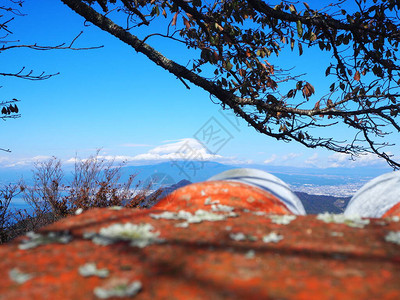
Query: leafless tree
[7,194]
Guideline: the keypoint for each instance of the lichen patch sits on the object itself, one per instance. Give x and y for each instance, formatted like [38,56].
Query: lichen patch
[282,219]
[199,216]
[396,219]
[250,254]
[139,235]
[209,201]
[272,237]
[19,277]
[115,207]
[119,290]
[351,221]
[240,236]
[182,225]
[37,239]
[259,213]
[90,269]
[393,237]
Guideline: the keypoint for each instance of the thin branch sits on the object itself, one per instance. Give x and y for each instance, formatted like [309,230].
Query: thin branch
[29,75]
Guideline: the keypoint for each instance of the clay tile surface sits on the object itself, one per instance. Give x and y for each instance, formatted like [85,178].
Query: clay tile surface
[206,252]
[199,195]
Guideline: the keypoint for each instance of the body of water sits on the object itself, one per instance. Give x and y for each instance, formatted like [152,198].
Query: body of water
[19,204]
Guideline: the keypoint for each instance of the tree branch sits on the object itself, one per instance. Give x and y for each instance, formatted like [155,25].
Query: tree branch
[256,81]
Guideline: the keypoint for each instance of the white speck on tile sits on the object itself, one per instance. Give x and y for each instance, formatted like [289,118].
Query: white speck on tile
[139,235]
[221,208]
[282,219]
[239,236]
[182,225]
[199,216]
[19,277]
[165,215]
[351,221]
[90,269]
[393,237]
[250,254]
[209,201]
[37,239]
[120,291]
[259,213]
[89,235]
[116,207]
[396,219]
[272,238]
[337,234]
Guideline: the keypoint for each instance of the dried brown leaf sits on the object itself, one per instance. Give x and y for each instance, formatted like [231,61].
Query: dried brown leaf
[357,76]
[174,19]
[186,22]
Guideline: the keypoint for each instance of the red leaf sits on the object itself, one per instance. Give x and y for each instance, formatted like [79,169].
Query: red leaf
[186,22]
[216,56]
[272,84]
[357,76]
[308,90]
[174,19]
[248,53]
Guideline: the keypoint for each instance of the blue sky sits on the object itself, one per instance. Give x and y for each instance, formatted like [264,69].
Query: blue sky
[117,100]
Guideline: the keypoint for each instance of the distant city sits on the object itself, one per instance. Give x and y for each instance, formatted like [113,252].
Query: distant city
[345,190]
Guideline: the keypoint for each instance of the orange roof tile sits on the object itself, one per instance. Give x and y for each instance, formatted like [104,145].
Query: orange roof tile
[194,249]
[234,258]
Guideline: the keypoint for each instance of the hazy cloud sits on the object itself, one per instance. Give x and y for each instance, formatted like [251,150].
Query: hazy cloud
[342,160]
[314,161]
[23,161]
[290,156]
[271,159]
[281,159]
